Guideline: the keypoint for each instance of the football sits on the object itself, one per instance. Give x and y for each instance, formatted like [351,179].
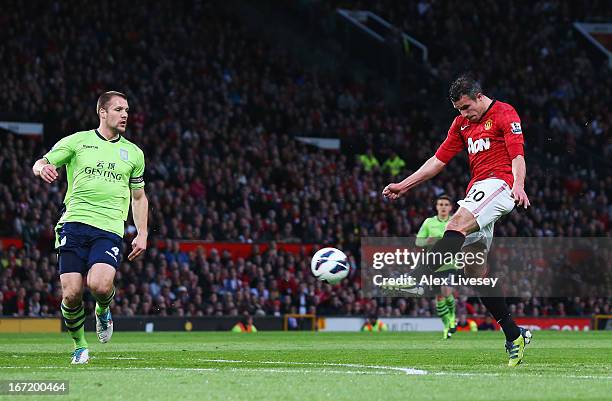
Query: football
[330,265]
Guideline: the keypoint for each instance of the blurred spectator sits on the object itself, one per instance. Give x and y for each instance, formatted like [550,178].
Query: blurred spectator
[369,161]
[465,324]
[374,325]
[245,326]
[487,324]
[394,165]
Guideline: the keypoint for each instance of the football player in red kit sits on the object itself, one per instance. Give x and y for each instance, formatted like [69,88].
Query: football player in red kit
[491,131]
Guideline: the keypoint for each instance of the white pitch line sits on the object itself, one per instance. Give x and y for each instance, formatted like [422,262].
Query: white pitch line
[289,370]
[405,370]
[408,371]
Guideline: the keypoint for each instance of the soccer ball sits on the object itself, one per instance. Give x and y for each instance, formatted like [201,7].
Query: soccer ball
[330,265]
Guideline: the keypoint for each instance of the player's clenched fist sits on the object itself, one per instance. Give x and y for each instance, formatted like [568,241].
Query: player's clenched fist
[393,191]
[48,173]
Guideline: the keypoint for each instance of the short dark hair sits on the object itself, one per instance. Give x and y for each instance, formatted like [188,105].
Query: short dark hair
[443,197]
[464,85]
[106,97]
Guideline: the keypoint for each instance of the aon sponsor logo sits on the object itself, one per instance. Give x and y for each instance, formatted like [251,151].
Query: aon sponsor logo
[478,145]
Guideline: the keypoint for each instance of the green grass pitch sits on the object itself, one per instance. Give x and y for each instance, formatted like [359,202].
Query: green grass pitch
[315,366]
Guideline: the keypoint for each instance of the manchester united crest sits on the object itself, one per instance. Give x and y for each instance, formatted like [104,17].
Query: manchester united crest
[488,124]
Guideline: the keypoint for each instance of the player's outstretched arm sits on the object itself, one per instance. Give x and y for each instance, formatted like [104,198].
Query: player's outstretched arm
[428,170]
[519,170]
[46,171]
[140,211]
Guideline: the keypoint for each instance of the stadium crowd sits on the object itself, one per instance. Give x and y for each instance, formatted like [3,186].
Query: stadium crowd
[217,122]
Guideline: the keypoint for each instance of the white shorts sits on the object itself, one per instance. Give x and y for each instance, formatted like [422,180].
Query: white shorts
[488,200]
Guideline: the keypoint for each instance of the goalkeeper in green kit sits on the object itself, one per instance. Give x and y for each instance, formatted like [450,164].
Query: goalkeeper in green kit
[431,230]
[104,172]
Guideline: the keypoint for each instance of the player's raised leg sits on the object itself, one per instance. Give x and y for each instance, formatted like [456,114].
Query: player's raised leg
[100,280]
[459,226]
[74,314]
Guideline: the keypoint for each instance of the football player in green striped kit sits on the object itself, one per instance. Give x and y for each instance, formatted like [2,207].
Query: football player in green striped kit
[431,230]
[105,172]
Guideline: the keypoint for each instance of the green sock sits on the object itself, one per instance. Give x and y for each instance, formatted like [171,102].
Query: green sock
[103,302]
[74,318]
[450,304]
[443,312]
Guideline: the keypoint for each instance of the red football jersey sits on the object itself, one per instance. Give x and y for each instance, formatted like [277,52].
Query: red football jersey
[491,143]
